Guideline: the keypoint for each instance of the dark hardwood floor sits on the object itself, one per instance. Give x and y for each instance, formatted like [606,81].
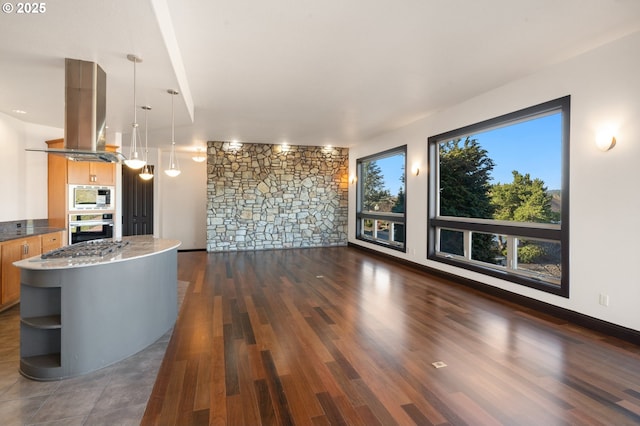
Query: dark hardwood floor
[337,336]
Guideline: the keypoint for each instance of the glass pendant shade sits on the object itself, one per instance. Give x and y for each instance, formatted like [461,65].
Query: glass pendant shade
[147,171]
[135,160]
[174,168]
[199,157]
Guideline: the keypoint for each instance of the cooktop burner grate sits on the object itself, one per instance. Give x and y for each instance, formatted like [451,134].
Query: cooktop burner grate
[94,248]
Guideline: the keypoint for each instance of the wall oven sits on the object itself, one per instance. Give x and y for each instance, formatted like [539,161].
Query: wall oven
[90,197]
[86,227]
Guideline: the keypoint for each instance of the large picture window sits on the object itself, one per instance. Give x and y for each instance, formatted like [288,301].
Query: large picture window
[381,198]
[499,197]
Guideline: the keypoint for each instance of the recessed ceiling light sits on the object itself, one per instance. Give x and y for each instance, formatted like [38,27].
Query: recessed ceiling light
[235,145]
[19,111]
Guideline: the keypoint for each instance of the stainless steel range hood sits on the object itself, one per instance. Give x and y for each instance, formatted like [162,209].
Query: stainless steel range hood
[85,114]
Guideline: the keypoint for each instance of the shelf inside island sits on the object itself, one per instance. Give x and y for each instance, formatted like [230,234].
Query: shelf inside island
[82,314]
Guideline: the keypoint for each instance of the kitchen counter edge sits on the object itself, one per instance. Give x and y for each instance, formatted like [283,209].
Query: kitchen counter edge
[28,232]
[139,246]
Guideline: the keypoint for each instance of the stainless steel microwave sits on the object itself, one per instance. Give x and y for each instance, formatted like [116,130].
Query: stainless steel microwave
[90,197]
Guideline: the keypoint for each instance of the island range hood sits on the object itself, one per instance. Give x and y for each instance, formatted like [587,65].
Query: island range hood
[85,114]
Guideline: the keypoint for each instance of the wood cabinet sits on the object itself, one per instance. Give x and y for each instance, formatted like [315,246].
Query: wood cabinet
[52,241]
[12,251]
[63,172]
[80,172]
[91,173]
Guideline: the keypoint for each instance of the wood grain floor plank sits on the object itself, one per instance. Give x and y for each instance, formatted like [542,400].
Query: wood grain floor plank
[235,411]
[231,384]
[265,404]
[169,411]
[189,387]
[203,385]
[367,416]
[349,412]
[217,397]
[302,401]
[278,397]
[246,379]
[330,409]
[339,336]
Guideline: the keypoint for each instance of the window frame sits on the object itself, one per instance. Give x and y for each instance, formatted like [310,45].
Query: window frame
[395,218]
[552,232]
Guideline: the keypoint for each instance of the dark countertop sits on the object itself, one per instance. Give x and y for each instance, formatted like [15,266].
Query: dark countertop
[26,232]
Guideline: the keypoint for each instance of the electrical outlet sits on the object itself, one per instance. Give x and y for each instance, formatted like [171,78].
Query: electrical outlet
[604,299]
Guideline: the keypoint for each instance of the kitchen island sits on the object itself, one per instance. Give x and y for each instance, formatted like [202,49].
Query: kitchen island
[82,313]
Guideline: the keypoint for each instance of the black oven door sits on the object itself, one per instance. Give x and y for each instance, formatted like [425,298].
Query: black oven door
[89,228]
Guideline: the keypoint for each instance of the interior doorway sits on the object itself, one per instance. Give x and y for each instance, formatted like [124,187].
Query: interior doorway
[137,203]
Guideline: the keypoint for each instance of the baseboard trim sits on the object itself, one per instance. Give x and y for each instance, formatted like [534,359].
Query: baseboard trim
[595,324]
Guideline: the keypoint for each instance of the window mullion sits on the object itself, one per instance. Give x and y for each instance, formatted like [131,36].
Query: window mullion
[467,244]
[512,252]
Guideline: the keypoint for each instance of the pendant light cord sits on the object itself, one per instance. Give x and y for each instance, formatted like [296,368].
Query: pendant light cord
[173,169]
[146,109]
[135,112]
[173,121]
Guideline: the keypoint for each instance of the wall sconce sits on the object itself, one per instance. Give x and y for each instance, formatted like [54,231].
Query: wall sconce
[415,170]
[353,179]
[605,141]
[284,147]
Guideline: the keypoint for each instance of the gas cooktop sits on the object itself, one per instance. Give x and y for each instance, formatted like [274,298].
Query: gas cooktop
[94,248]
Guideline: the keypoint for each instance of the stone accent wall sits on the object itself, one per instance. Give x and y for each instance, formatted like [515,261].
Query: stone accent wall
[263,196]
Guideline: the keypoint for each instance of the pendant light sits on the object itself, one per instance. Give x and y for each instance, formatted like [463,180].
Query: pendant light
[174,169]
[134,161]
[147,170]
[200,156]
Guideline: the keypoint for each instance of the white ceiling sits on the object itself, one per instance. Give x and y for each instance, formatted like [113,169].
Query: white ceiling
[302,71]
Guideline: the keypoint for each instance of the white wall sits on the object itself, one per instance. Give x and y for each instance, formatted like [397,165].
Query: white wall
[23,175]
[182,202]
[180,208]
[604,195]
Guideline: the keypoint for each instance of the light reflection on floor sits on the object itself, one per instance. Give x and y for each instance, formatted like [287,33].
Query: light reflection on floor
[381,302]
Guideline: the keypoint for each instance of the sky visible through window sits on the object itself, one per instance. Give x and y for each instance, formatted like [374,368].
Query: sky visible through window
[392,169]
[533,146]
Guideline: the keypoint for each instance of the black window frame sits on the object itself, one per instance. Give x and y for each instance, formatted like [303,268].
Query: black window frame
[398,218]
[538,231]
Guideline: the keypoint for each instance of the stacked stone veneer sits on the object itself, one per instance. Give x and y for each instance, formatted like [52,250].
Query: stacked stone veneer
[262,196]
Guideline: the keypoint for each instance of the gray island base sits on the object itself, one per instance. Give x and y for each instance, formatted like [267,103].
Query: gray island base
[82,314]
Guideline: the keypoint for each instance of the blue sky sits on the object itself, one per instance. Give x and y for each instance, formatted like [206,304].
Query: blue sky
[392,168]
[532,147]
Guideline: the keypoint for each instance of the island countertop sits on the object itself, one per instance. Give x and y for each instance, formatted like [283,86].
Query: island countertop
[138,246]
